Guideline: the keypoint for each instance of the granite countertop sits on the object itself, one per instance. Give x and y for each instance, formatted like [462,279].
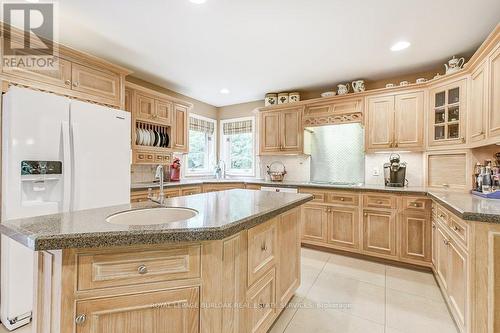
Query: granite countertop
[465,205]
[263,182]
[220,214]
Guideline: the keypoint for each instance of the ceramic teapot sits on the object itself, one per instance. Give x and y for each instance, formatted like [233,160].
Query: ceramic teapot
[454,65]
[358,85]
[342,89]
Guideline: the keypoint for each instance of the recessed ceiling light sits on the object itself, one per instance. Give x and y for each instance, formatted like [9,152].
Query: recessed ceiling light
[198,2]
[400,46]
[224,91]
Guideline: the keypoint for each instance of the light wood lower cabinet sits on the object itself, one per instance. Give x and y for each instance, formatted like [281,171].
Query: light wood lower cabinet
[222,187]
[416,236]
[379,232]
[314,223]
[343,227]
[167,311]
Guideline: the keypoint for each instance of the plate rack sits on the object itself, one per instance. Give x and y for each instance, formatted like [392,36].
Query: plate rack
[163,130]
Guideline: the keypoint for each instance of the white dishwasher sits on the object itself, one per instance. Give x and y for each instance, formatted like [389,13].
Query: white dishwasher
[279,189]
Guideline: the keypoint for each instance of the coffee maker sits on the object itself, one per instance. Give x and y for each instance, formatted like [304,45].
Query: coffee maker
[395,172]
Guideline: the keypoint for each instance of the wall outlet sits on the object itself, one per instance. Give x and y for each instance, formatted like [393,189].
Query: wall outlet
[376,172]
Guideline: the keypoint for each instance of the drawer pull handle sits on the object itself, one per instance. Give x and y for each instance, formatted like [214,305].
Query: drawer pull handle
[416,204]
[80,319]
[456,228]
[342,199]
[75,84]
[433,226]
[67,82]
[379,202]
[262,305]
[142,269]
[263,247]
[446,242]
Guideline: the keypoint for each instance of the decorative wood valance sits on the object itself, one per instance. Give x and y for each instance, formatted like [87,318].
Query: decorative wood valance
[336,112]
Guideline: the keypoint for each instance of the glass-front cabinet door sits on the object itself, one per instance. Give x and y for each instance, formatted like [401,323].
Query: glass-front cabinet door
[447,114]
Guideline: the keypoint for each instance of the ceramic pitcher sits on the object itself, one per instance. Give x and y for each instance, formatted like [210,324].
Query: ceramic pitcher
[358,85]
[342,89]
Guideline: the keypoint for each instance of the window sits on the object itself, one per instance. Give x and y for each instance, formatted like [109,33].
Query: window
[237,146]
[201,157]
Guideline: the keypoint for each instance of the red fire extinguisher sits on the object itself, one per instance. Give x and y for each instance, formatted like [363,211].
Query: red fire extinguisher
[175,170]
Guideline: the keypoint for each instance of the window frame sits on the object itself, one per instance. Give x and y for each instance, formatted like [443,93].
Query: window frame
[225,147]
[211,150]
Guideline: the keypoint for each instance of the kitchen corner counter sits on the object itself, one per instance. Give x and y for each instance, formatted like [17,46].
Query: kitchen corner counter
[467,206]
[220,215]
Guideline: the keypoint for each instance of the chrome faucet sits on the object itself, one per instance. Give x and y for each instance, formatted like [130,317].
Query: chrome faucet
[220,172]
[159,175]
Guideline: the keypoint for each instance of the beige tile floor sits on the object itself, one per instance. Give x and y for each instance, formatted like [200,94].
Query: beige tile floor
[382,299]
[377,298]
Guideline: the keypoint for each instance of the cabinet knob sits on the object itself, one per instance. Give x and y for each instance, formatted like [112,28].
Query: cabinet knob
[67,82]
[342,199]
[379,202]
[365,214]
[446,242]
[80,319]
[433,226]
[142,269]
[75,84]
[456,228]
[263,247]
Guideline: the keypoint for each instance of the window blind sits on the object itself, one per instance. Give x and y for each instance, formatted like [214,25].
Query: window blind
[200,125]
[237,127]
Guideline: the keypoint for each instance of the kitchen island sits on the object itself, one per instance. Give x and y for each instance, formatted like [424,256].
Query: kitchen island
[231,268]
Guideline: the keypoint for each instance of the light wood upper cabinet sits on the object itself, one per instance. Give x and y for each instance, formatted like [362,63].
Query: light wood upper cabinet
[478,103]
[61,76]
[269,132]
[289,255]
[415,236]
[129,100]
[379,232]
[409,127]
[380,126]
[291,131]
[343,227]
[447,113]
[494,92]
[144,106]
[157,312]
[95,82]
[281,132]
[395,121]
[180,128]
[314,223]
[163,111]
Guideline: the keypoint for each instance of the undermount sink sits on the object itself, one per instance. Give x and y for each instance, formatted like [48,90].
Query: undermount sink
[150,216]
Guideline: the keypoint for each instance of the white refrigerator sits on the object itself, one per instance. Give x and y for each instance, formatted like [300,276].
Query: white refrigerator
[58,155]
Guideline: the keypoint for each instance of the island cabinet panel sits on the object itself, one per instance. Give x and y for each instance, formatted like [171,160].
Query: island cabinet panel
[112,269]
[262,249]
[379,232]
[494,91]
[289,256]
[314,223]
[261,300]
[343,227]
[168,311]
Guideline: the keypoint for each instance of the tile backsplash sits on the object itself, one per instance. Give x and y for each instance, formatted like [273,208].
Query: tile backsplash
[142,173]
[374,163]
[297,167]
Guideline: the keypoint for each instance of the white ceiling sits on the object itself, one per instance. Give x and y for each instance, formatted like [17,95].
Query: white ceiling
[257,46]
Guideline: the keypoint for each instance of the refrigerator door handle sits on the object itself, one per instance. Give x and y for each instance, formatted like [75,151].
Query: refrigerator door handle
[75,166]
[66,166]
